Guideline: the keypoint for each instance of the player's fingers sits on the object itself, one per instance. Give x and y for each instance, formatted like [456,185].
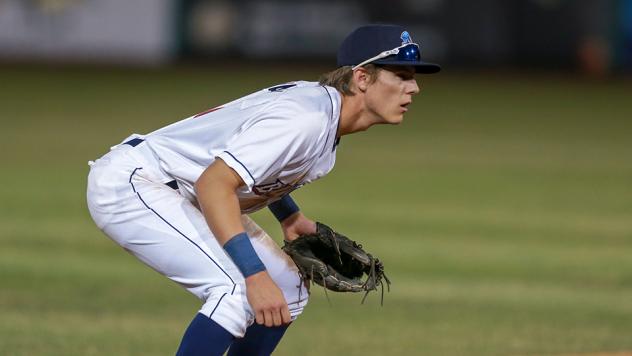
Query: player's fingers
[259,317]
[276,317]
[285,315]
[267,315]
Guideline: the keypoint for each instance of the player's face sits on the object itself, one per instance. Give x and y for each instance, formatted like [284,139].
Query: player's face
[391,94]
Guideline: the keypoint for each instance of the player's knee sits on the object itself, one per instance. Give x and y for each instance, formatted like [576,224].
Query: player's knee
[297,299]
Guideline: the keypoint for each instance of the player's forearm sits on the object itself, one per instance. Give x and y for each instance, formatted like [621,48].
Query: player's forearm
[219,203]
[220,207]
[221,210]
[218,200]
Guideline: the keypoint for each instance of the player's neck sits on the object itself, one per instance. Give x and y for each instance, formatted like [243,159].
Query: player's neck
[354,116]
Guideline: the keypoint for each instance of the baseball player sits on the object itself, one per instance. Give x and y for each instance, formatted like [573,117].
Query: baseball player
[178,198]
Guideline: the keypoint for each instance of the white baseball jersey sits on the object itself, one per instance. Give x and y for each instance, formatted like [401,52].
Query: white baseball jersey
[276,139]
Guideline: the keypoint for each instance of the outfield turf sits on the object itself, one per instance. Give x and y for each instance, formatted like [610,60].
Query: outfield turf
[501,207]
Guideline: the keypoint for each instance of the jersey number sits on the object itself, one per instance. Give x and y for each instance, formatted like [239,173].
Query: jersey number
[281,87]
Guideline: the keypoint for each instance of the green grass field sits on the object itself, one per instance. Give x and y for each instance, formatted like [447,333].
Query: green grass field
[502,208]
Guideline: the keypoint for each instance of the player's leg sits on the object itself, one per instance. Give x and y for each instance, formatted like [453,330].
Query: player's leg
[169,234]
[166,232]
[280,267]
[204,337]
[259,340]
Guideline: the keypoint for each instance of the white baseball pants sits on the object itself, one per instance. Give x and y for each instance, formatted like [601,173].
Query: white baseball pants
[129,201]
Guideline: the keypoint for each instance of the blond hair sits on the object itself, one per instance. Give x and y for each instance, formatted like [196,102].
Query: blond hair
[341,78]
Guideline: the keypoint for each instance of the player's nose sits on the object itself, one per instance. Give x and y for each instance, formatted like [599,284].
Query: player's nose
[413,87]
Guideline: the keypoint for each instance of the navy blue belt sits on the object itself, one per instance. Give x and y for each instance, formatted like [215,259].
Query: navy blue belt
[135,142]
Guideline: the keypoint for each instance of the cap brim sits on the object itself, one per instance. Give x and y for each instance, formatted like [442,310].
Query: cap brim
[420,67]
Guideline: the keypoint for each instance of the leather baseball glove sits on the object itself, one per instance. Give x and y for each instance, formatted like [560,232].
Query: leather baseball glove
[335,262]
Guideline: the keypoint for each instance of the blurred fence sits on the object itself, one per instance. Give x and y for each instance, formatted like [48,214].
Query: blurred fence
[595,35]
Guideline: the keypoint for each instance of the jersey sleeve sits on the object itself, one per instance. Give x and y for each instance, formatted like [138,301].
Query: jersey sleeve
[265,149]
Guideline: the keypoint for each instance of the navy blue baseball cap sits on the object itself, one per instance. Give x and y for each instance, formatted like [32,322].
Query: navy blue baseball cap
[382,44]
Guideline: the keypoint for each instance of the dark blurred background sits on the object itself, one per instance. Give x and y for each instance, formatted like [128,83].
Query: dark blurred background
[501,206]
[591,36]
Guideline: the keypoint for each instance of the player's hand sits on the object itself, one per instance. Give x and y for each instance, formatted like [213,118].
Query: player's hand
[296,225]
[266,300]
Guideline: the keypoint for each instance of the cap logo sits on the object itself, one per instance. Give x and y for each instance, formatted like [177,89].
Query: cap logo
[406,39]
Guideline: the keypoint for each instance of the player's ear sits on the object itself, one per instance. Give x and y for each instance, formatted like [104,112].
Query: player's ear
[361,79]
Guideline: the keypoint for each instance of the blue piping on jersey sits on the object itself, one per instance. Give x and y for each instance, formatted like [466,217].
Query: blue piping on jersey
[250,174]
[337,140]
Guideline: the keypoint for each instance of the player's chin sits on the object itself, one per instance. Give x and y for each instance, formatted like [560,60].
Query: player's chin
[396,119]
[392,118]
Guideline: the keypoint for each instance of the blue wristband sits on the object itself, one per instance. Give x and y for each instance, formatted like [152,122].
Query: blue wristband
[243,254]
[283,208]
